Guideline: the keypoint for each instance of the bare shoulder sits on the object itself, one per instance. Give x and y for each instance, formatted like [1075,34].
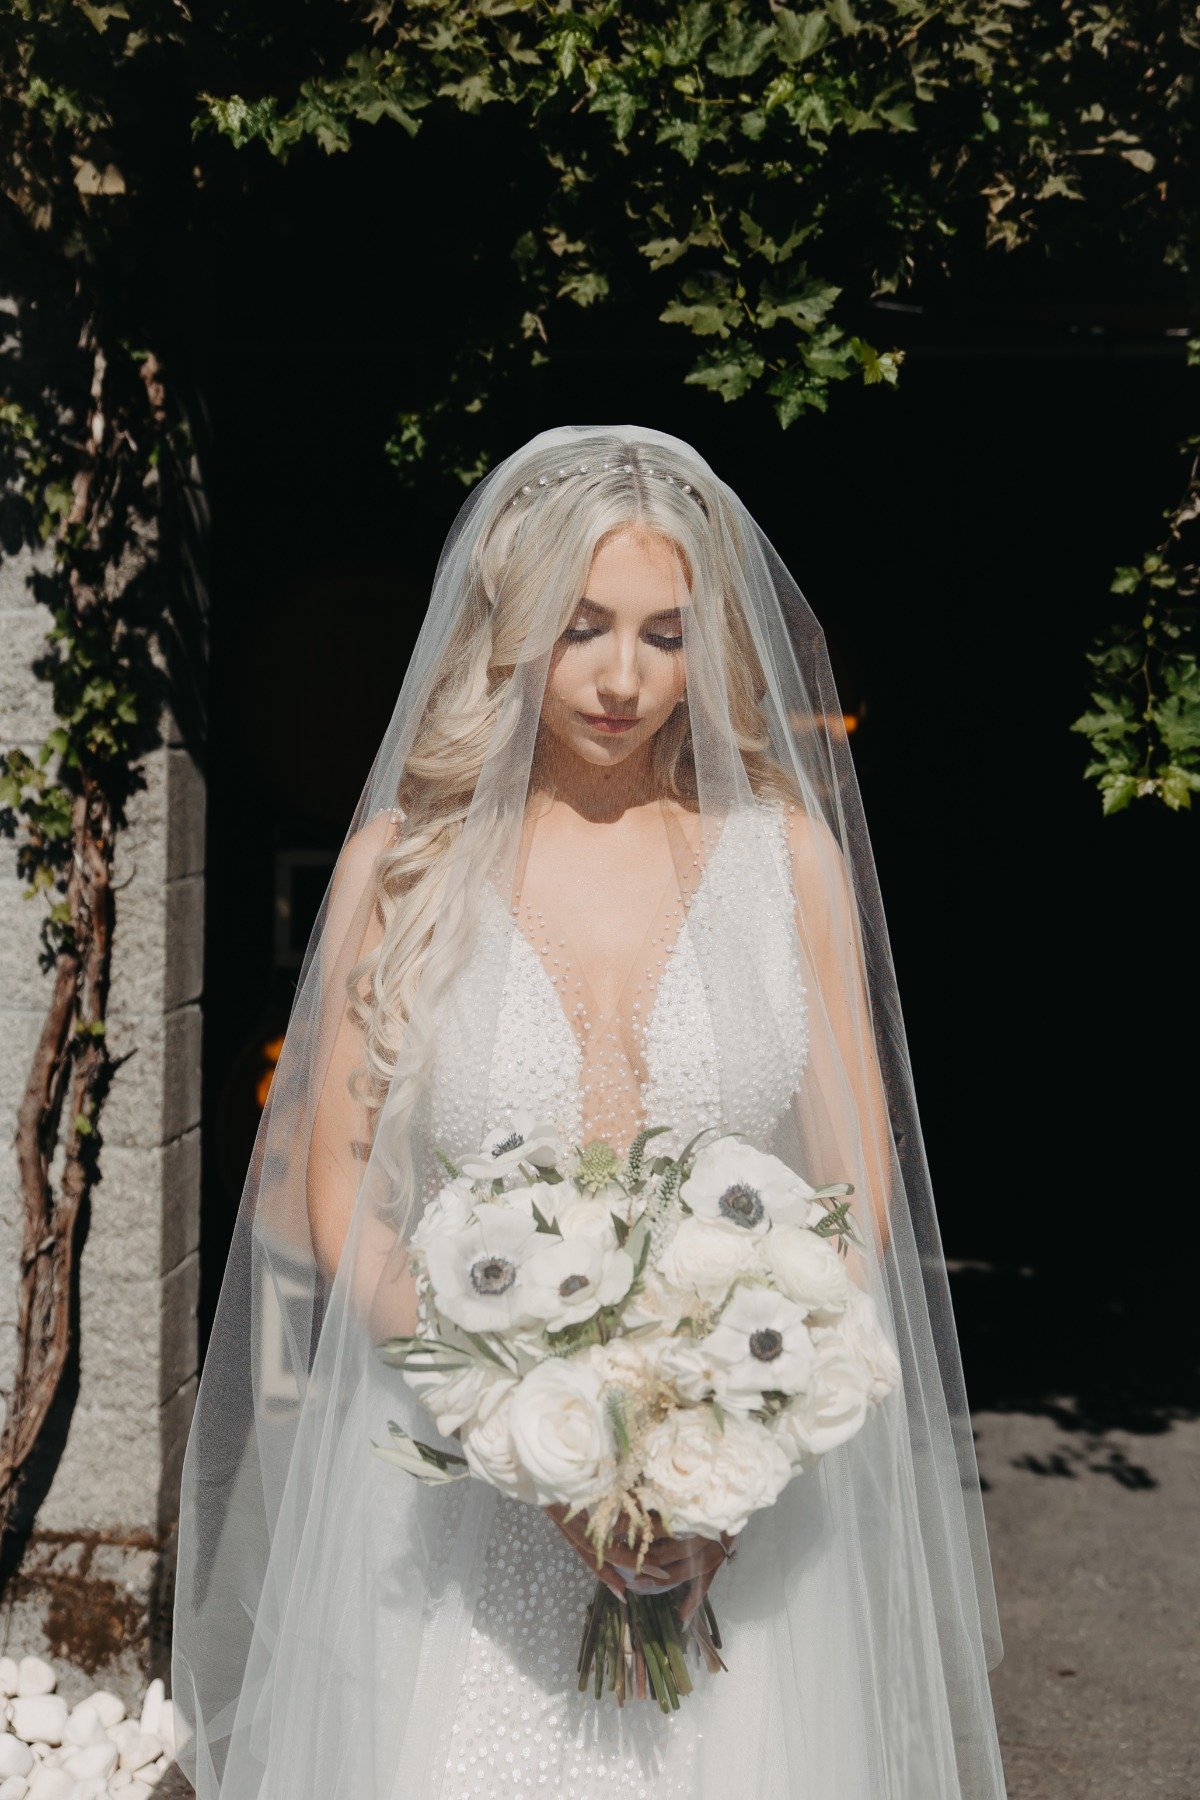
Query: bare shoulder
[359,853]
[814,849]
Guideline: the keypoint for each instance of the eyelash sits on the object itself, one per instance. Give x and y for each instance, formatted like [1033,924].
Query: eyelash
[579,634]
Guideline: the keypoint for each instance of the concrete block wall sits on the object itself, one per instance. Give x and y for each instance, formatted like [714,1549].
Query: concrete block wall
[95,1578]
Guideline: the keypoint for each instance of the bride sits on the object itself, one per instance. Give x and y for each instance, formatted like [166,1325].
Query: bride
[609,871]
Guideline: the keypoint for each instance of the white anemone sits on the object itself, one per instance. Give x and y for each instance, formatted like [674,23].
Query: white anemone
[478,1273]
[762,1343]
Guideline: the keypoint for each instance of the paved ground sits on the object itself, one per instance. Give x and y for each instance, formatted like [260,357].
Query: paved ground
[1097,1560]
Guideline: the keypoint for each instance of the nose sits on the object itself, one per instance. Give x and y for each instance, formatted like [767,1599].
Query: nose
[618,679]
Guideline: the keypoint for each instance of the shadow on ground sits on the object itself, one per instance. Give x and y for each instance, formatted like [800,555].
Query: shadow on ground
[1093,1349]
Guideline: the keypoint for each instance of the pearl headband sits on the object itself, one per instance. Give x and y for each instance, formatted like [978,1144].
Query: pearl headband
[565,474]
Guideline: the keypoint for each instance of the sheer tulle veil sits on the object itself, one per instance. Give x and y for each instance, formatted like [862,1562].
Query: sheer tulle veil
[323,1601]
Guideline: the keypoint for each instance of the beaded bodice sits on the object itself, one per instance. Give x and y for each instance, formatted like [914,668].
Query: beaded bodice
[656,1060]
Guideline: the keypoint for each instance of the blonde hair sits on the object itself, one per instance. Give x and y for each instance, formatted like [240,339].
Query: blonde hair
[545,530]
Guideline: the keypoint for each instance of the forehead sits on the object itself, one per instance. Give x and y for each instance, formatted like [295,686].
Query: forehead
[632,569]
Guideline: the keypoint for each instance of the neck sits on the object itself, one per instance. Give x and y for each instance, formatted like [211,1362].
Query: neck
[599,794]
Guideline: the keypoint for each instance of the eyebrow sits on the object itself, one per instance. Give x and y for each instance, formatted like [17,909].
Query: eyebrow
[607,611]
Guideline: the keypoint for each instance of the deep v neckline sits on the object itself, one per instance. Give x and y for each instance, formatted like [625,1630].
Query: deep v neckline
[652,1012]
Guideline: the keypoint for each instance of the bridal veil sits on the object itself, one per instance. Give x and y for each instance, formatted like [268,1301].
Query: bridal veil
[324,1600]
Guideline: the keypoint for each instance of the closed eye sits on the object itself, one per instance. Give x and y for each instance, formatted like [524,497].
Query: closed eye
[579,634]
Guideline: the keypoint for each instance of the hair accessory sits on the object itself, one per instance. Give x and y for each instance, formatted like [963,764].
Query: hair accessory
[563,475]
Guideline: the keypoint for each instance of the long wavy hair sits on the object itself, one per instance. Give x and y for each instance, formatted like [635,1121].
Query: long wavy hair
[552,517]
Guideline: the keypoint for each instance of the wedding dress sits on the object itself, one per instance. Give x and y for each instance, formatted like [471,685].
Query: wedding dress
[344,1631]
[517,1717]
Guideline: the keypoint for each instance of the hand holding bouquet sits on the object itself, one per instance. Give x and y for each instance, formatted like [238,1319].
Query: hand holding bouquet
[650,1348]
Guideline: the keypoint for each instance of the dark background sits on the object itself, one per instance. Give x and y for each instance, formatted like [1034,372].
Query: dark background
[956,538]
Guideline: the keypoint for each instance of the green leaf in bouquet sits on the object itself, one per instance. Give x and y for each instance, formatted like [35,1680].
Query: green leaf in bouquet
[718,1413]
[543,1224]
[422,1461]
[489,1350]
[451,1168]
[399,1352]
[621,1228]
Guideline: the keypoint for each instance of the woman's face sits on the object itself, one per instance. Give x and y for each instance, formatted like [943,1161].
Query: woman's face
[616,672]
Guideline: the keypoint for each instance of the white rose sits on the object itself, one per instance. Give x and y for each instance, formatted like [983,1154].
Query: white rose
[570,1278]
[449,1210]
[631,1363]
[833,1406]
[707,1477]
[762,1344]
[488,1444]
[525,1138]
[747,1188]
[560,1431]
[477,1273]
[807,1269]
[656,1302]
[452,1398]
[707,1256]
[863,1335]
[588,1215]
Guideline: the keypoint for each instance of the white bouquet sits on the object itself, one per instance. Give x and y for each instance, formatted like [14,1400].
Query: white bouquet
[654,1345]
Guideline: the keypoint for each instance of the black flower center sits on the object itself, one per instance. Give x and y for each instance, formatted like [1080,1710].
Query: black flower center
[493,1275]
[511,1142]
[741,1205]
[572,1285]
[766,1345]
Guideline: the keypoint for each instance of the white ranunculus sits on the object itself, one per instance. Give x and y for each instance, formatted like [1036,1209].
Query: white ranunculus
[570,1278]
[708,1476]
[747,1188]
[488,1444]
[560,1431]
[706,1256]
[807,1269]
[478,1273]
[762,1343]
[524,1138]
[863,1335]
[833,1406]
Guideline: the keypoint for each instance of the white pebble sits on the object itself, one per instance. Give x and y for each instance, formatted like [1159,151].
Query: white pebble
[50,1784]
[39,1718]
[41,1750]
[35,1676]
[93,1760]
[10,1675]
[16,1758]
[83,1726]
[152,1705]
[165,1728]
[143,1751]
[137,1790]
[110,1708]
[14,1787]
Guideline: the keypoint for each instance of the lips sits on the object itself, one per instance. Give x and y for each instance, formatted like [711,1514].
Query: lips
[607,722]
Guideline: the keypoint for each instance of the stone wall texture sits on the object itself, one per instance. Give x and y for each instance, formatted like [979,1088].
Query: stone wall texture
[95,1578]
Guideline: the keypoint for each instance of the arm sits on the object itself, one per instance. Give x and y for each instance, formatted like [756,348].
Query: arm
[851,1105]
[341,1130]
